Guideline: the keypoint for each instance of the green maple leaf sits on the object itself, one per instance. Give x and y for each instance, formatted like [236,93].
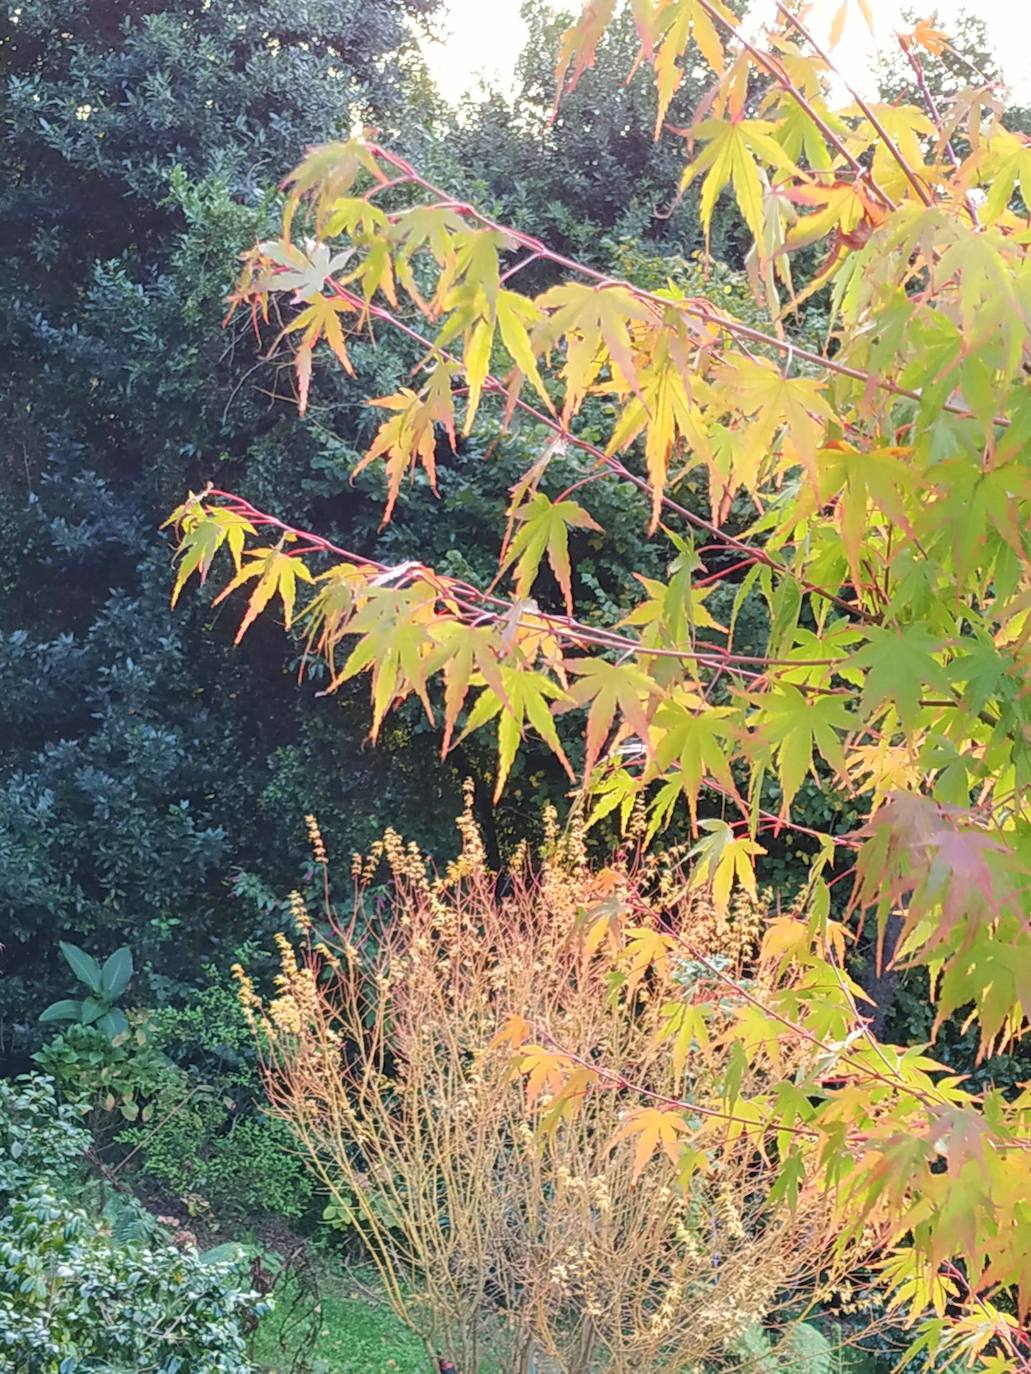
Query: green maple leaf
[526,699]
[730,157]
[695,736]
[900,664]
[793,723]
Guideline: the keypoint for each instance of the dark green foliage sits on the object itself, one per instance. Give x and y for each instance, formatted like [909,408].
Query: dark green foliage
[142,146]
[214,1142]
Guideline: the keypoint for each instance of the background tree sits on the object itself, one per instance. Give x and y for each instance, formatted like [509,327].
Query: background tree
[141,146]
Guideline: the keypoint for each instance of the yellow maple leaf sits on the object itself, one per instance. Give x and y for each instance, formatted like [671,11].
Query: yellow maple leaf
[655,1129]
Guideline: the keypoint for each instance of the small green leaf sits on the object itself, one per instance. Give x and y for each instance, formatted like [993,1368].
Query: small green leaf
[113,1023]
[92,1010]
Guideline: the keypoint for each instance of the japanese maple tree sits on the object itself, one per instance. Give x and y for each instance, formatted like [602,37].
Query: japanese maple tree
[875,493]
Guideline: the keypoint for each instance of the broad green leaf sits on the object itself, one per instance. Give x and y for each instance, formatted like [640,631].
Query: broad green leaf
[83,965]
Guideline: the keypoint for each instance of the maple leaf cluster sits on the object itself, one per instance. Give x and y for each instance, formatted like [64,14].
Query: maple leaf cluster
[886,493]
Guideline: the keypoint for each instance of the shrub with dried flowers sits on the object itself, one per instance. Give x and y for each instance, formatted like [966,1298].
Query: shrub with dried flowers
[457,1070]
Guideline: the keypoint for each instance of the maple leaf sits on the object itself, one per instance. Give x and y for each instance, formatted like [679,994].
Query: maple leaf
[729,158]
[330,169]
[899,664]
[594,321]
[525,699]
[609,687]
[694,736]
[685,1024]
[293,270]
[615,790]
[516,315]
[688,18]
[565,1103]
[906,126]
[1007,161]
[470,650]
[654,1129]
[545,529]
[544,1069]
[674,609]
[722,857]
[321,319]
[328,614]
[411,435]
[792,723]
[515,1032]
[606,919]
[934,40]
[876,477]
[205,529]
[786,939]
[394,645]
[579,44]
[794,404]
[274,573]
[666,406]
[645,949]
[838,205]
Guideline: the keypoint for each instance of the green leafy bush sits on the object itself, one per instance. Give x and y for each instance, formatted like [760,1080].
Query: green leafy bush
[220,1145]
[240,1164]
[73,1300]
[86,1290]
[129,1074]
[40,1137]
